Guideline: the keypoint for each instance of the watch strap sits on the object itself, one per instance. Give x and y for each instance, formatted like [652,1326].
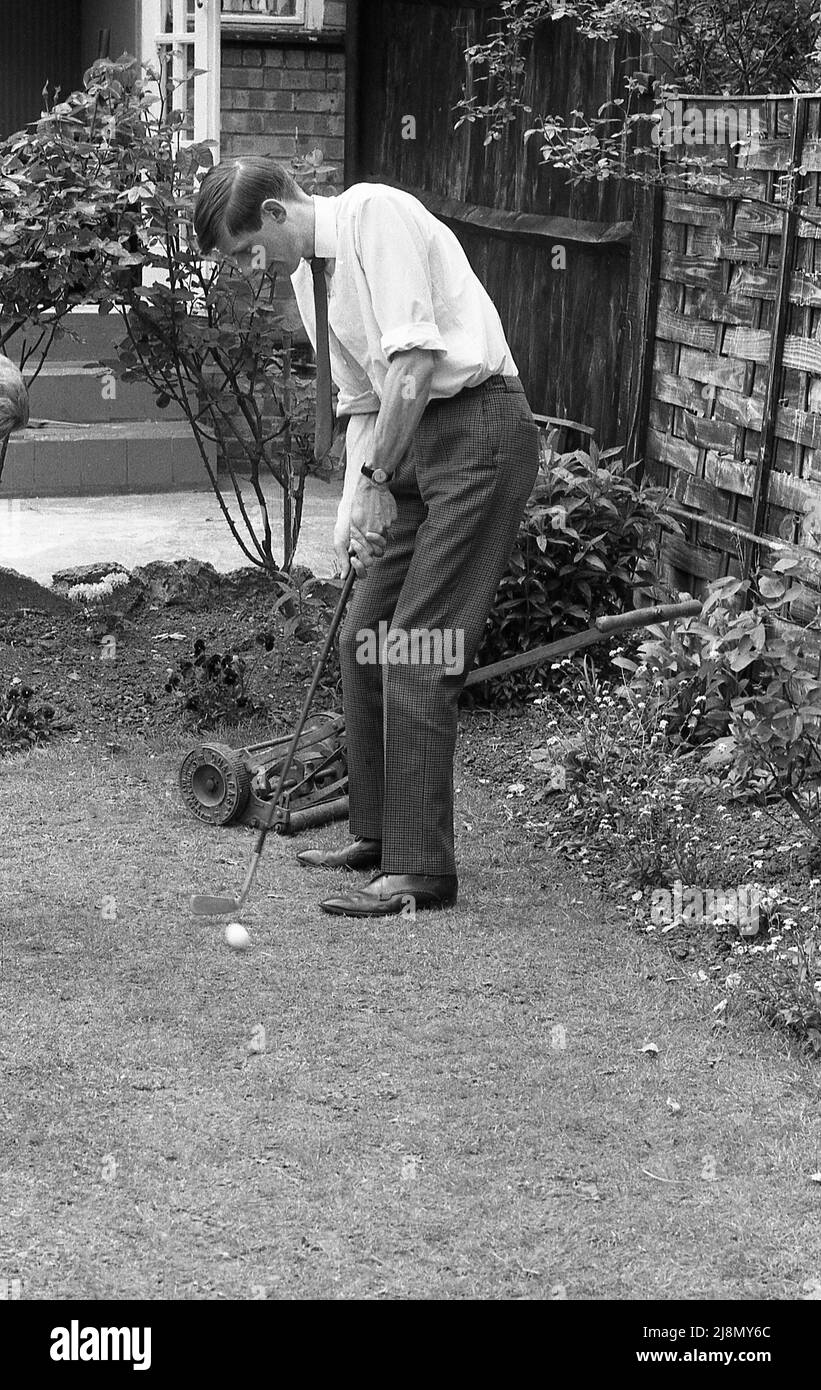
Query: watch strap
[376,475]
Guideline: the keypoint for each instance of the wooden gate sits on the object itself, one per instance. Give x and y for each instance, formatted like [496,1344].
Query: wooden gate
[554,258]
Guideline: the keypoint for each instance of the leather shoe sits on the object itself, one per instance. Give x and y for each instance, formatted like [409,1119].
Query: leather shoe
[360,854]
[391,893]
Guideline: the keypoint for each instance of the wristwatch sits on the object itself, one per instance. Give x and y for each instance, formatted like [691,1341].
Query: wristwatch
[375,475]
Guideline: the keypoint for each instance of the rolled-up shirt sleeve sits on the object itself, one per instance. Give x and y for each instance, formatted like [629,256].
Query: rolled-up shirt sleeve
[394,258]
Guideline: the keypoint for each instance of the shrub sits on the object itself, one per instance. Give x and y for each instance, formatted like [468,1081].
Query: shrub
[789,992]
[108,172]
[774,742]
[693,670]
[210,686]
[21,723]
[52,176]
[688,45]
[206,336]
[586,543]
[631,792]
[725,678]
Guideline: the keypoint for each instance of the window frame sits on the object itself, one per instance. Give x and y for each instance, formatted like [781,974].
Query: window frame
[252,22]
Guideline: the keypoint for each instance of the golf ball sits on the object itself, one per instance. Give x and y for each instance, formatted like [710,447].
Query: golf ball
[237,937]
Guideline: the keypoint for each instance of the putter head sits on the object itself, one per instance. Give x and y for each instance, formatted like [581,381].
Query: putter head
[213,907]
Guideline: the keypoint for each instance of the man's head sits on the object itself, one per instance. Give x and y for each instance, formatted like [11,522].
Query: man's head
[254,212]
[14,400]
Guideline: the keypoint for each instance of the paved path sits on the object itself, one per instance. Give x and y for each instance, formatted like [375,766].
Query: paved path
[39,535]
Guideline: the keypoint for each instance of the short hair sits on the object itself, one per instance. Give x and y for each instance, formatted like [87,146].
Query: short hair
[232,193]
[14,398]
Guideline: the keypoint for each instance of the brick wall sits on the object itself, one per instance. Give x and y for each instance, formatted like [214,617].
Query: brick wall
[270,90]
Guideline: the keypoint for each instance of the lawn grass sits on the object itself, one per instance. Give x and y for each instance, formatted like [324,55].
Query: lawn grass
[452,1107]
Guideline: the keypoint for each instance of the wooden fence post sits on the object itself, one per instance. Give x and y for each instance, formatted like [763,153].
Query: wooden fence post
[642,305]
[781,312]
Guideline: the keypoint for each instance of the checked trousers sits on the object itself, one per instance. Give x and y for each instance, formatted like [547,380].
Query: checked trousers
[460,491]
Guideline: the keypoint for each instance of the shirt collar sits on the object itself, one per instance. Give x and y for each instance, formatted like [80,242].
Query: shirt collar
[325,230]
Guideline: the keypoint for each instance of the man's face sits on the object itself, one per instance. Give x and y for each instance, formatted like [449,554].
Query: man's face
[272,247]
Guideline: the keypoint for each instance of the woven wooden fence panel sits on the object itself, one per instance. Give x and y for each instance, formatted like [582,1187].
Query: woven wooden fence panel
[734,416]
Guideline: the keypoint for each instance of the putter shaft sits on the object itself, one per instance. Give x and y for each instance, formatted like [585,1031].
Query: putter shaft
[203,906]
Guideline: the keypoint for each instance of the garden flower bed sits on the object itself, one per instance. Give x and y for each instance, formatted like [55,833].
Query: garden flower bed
[102,659]
[728,886]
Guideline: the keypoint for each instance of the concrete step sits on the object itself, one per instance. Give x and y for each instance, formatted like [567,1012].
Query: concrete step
[96,336]
[101,459]
[69,391]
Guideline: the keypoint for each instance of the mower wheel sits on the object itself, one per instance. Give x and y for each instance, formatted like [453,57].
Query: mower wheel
[215,783]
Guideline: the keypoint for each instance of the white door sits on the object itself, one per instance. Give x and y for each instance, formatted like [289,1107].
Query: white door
[180,36]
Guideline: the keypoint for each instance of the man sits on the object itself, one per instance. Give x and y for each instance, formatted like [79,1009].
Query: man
[442,454]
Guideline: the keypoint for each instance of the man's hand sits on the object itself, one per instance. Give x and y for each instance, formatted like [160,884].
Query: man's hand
[368,510]
[373,512]
[342,537]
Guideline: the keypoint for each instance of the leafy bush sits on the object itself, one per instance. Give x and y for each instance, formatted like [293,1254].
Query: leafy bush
[56,229]
[708,46]
[646,808]
[789,993]
[725,678]
[693,670]
[211,686]
[774,742]
[775,735]
[21,723]
[631,792]
[108,173]
[206,336]
[586,543]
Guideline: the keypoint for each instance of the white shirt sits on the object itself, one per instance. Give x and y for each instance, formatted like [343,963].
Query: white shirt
[397,279]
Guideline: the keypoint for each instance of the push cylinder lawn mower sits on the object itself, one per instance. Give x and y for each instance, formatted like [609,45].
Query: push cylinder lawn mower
[229,786]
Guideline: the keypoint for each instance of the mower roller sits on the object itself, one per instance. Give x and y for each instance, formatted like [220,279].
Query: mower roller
[232,786]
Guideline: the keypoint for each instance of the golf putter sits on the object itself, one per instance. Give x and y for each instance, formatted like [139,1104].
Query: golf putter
[203,906]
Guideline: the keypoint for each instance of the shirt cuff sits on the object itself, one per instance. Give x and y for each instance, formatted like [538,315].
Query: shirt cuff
[412,335]
[367,403]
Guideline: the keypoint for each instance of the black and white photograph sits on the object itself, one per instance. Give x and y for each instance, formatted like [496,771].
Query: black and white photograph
[410,671]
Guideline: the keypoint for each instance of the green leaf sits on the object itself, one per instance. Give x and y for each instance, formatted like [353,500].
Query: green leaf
[770,587]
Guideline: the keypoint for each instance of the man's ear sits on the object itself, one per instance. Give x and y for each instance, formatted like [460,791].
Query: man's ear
[276,209]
